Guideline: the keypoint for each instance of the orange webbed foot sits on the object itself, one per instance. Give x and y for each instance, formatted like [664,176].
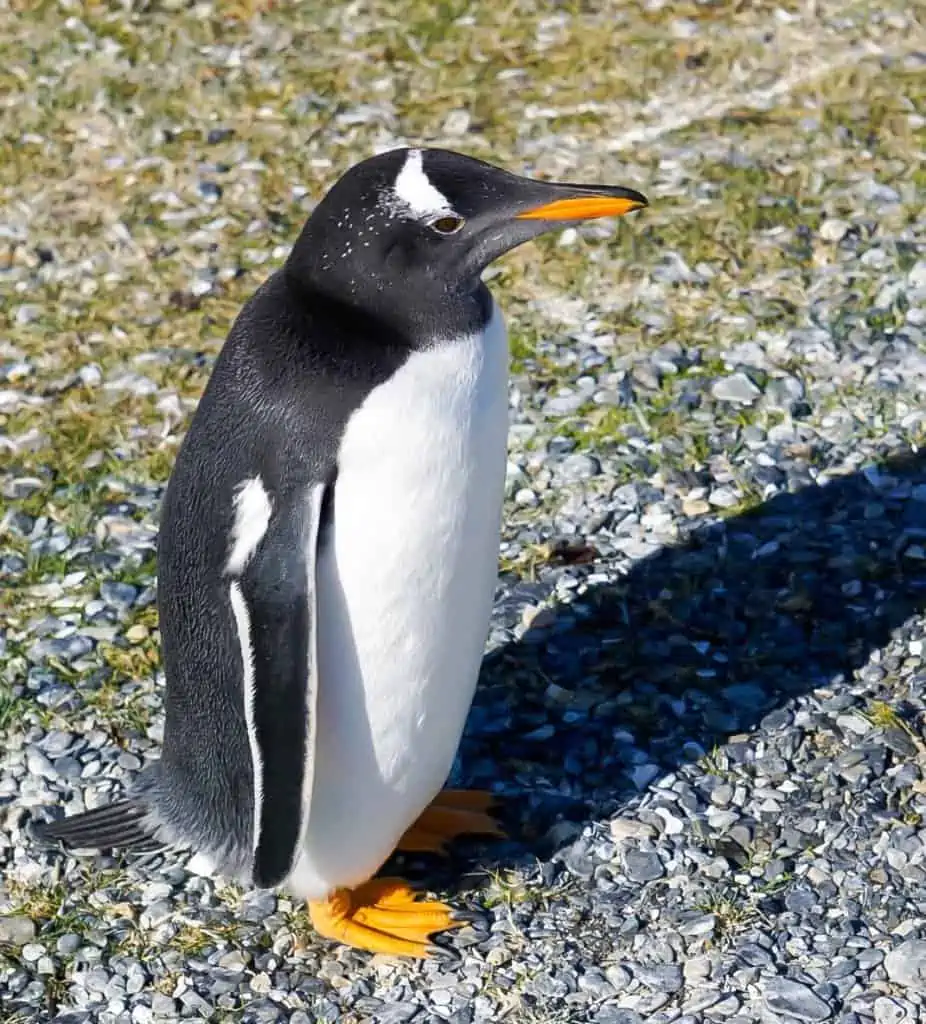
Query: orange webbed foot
[454,813]
[384,915]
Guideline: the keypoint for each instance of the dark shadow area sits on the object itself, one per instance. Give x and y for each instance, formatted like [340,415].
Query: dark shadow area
[695,646]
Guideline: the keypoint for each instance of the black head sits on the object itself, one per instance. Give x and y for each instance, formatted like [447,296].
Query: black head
[406,234]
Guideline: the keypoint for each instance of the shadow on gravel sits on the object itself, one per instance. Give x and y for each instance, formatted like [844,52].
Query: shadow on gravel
[695,646]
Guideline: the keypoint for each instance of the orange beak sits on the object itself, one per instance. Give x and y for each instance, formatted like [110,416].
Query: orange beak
[584,208]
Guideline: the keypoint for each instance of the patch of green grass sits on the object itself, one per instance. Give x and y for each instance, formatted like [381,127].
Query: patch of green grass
[733,912]
[883,716]
[751,501]
[190,937]
[19,1017]
[50,907]
[533,1015]
[12,708]
[139,573]
[713,763]
[507,889]
[124,716]
[776,886]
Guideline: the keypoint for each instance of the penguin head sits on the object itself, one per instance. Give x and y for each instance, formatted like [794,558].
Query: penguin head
[409,231]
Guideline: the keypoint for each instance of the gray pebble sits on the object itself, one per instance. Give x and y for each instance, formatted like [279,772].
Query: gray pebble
[163,1006]
[396,1013]
[870,958]
[737,388]
[16,931]
[618,977]
[593,981]
[906,964]
[579,467]
[659,977]
[155,914]
[56,742]
[122,595]
[615,1015]
[890,1011]
[833,230]
[643,866]
[27,313]
[699,926]
[791,997]
[564,405]
[68,944]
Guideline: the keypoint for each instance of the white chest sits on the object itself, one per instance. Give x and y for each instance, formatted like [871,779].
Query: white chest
[405,589]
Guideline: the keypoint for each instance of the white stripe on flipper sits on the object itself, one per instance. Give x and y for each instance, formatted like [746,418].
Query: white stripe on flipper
[315,500]
[243,623]
[413,188]
[252,515]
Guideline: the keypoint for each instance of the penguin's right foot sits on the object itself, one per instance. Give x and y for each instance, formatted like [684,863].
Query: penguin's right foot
[454,813]
[384,916]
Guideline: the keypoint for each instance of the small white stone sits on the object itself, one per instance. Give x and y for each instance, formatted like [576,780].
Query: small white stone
[833,229]
[673,826]
[457,122]
[888,1011]
[906,965]
[736,388]
[16,930]
[27,314]
[261,984]
[627,828]
[526,498]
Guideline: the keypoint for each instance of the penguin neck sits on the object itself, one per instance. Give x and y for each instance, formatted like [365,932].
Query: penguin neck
[400,314]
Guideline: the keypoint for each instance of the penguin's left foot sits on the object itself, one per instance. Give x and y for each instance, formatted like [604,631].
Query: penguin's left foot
[384,916]
[454,813]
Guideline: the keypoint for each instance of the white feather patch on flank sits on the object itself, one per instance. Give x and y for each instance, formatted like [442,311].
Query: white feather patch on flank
[243,624]
[252,515]
[201,864]
[413,188]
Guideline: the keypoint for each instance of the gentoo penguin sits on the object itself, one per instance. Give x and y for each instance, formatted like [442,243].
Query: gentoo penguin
[328,545]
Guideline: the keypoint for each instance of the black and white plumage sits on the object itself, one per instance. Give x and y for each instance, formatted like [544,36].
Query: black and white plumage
[329,535]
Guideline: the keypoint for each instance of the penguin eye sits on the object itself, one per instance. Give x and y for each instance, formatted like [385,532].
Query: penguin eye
[448,224]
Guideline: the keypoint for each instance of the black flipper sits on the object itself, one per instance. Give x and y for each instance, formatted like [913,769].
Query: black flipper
[278,592]
[119,825]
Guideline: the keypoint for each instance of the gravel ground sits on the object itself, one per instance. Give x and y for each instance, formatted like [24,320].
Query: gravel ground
[704,702]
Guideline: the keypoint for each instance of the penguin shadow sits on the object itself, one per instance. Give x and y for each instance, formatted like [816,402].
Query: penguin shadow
[689,651]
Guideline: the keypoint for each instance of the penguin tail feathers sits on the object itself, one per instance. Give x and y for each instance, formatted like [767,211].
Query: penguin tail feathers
[125,824]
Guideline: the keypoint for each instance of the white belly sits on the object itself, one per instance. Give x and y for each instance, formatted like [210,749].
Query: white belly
[405,588]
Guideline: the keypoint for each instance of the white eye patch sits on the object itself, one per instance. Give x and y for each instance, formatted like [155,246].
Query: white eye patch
[414,191]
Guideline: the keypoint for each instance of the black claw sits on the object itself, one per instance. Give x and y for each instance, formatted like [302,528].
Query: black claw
[445,953]
[468,916]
